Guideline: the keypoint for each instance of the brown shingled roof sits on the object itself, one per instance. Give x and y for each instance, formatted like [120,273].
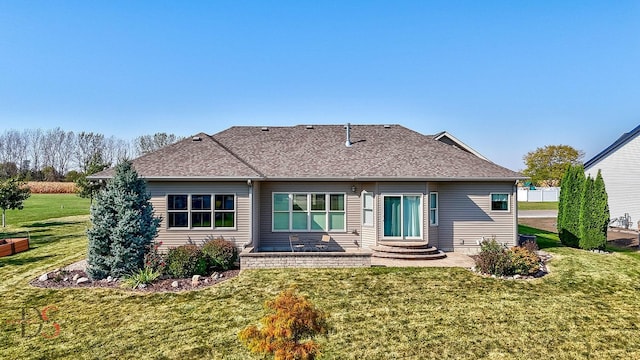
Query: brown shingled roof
[190,158]
[315,153]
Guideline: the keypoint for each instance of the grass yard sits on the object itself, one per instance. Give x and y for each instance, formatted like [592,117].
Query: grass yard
[48,206]
[547,205]
[586,308]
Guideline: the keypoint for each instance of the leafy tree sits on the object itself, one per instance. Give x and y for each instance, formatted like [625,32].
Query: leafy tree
[123,225]
[86,187]
[594,214]
[548,164]
[293,318]
[569,223]
[13,193]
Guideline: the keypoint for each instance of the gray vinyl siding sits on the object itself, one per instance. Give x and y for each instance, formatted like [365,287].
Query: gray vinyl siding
[620,171]
[369,233]
[394,188]
[176,237]
[277,240]
[466,216]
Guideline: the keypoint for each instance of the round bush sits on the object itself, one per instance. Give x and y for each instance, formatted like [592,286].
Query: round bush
[523,261]
[186,261]
[220,253]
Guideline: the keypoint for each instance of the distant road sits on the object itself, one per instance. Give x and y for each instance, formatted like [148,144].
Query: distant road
[537,213]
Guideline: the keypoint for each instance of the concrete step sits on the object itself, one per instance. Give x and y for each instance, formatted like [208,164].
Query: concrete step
[439,255]
[405,244]
[405,250]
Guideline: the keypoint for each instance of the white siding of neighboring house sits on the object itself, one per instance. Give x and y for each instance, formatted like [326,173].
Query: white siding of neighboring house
[176,237]
[466,216]
[621,174]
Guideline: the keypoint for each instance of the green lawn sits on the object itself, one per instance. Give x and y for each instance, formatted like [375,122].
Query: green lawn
[48,206]
[587,308]
[537,205]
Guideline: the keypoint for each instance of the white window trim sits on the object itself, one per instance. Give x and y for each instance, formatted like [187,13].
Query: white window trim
[508,202]
[213,211]
[436,208]
[421,214]
[372,209]
[327,211]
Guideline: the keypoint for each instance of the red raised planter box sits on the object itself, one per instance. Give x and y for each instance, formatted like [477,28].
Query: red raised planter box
[13,246]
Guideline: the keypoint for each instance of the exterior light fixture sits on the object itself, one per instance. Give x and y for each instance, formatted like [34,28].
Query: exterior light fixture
[353,188]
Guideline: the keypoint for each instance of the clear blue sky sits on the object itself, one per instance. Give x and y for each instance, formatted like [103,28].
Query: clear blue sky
[503,76]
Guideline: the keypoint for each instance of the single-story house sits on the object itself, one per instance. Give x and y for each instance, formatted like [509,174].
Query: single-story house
[618,164]
[381,189]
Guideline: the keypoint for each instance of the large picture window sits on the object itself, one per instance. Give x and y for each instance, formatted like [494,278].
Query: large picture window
[308,212]
[499,202]
[402,216]
[198,211]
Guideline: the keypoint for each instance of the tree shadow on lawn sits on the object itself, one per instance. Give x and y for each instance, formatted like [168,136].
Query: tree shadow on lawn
[8,260]
[545,239]
[51,224]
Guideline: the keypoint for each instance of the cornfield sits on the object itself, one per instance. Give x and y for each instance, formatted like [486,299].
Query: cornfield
[49,187]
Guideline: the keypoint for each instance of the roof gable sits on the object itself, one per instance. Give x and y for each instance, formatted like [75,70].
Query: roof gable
[622,140]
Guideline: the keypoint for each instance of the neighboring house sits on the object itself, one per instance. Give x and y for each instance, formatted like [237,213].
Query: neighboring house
[620,168]
[367,186]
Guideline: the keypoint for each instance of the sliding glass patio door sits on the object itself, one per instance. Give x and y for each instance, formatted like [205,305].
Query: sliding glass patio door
[402,216]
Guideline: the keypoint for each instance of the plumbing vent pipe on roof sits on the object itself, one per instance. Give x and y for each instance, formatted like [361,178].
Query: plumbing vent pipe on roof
[348,142]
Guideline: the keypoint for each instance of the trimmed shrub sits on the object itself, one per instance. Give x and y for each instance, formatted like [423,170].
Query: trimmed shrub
[186,261]
[523,261]
[220,253]
[493,259]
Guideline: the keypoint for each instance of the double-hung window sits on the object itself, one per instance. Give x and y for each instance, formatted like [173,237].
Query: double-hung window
[499,202]
[402,216]
[433,208]
[308,212]
[367,209]
[197,211]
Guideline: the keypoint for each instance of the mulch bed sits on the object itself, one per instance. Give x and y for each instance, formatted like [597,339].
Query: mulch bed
[56,280]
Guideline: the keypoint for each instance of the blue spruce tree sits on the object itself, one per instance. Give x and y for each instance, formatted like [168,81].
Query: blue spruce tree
[123,225]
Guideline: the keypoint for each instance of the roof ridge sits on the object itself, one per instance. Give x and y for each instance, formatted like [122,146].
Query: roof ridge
[620,141]
[235,155]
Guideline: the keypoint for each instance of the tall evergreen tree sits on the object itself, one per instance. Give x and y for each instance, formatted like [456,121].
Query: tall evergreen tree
[123,225]
[562,200]
[594,214]
[570,222]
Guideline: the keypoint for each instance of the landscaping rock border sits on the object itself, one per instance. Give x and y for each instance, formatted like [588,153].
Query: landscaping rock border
[74,277]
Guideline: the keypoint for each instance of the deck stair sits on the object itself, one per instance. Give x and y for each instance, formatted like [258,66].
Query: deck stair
[407,250]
